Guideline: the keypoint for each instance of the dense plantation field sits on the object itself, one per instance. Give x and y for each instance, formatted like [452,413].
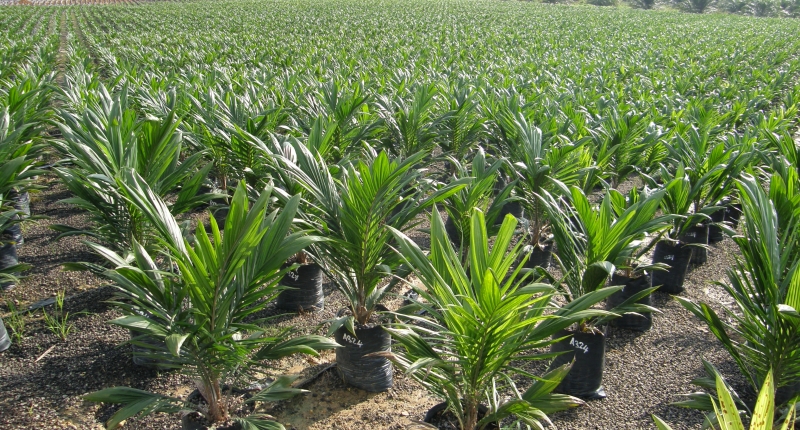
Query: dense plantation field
[117,116]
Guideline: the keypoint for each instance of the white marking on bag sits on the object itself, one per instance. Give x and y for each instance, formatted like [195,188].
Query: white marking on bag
[350,339]
[579,345]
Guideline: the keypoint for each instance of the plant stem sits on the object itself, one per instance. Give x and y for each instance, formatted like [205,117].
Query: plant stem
[471,412]
[211,391]
[224,183]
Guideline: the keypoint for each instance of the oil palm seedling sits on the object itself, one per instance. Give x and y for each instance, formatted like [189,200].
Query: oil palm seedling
[353,212]
[305,290]
[326,140]
[703,165]
[701,176]
[623,143]
[704,400]
[16,171]
[709,166]
[594,242]
[560,117]
[781,154]
[714,387]
[726,220]
[477,321]
[762,333]
[227,125]
[409,125]
[10,267]
[478,193]
[539,166]
[671,250]
[633,273]
[203,307]
[461,127]
[726,412]
[341,112]
[23,113]
[80,88]
[306,281]
[108,138]
[210,132]
[27,102]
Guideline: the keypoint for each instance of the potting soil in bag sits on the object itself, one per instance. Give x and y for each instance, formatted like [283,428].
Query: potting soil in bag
[8,258]
[733,213]
[140,352]
[452,231]
[305,292]
[585,378]
[141,348]
[514,208]
[632,286]
[715,234]
[539,256]
[368,373]
[697,235]
[5,340]
[677,257]
[440,415]
[786,393]
[14,234]
[22,203]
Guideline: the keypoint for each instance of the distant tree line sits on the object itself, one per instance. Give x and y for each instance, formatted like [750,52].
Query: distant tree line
[762,8]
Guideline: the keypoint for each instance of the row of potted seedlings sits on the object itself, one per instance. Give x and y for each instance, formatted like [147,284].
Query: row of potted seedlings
[354,336]
[351,214]
[761,331]
[23,113]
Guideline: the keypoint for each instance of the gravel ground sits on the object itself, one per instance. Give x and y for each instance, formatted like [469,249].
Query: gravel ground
[43,377]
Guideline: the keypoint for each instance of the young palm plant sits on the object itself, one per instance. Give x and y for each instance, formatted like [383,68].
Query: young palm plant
[214,126]
[623,144]
[706,167]
[307,279]
[16,169]
[593,242]
[540,166]
[27,101]
[352,212]
[478,193]
[342,114]
[410,125]
[691,196]
[109,138]
[231,126]
[727,415]
[203,309]
[24,110]
[462,126]
[764,331]
[477,320]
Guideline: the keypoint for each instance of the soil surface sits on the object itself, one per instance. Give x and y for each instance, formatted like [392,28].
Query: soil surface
[42,378]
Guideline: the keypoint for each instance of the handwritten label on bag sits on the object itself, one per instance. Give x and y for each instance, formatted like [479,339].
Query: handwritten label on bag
[579,345]
[294,275]
[669,257]
[692,234]
[351,340]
